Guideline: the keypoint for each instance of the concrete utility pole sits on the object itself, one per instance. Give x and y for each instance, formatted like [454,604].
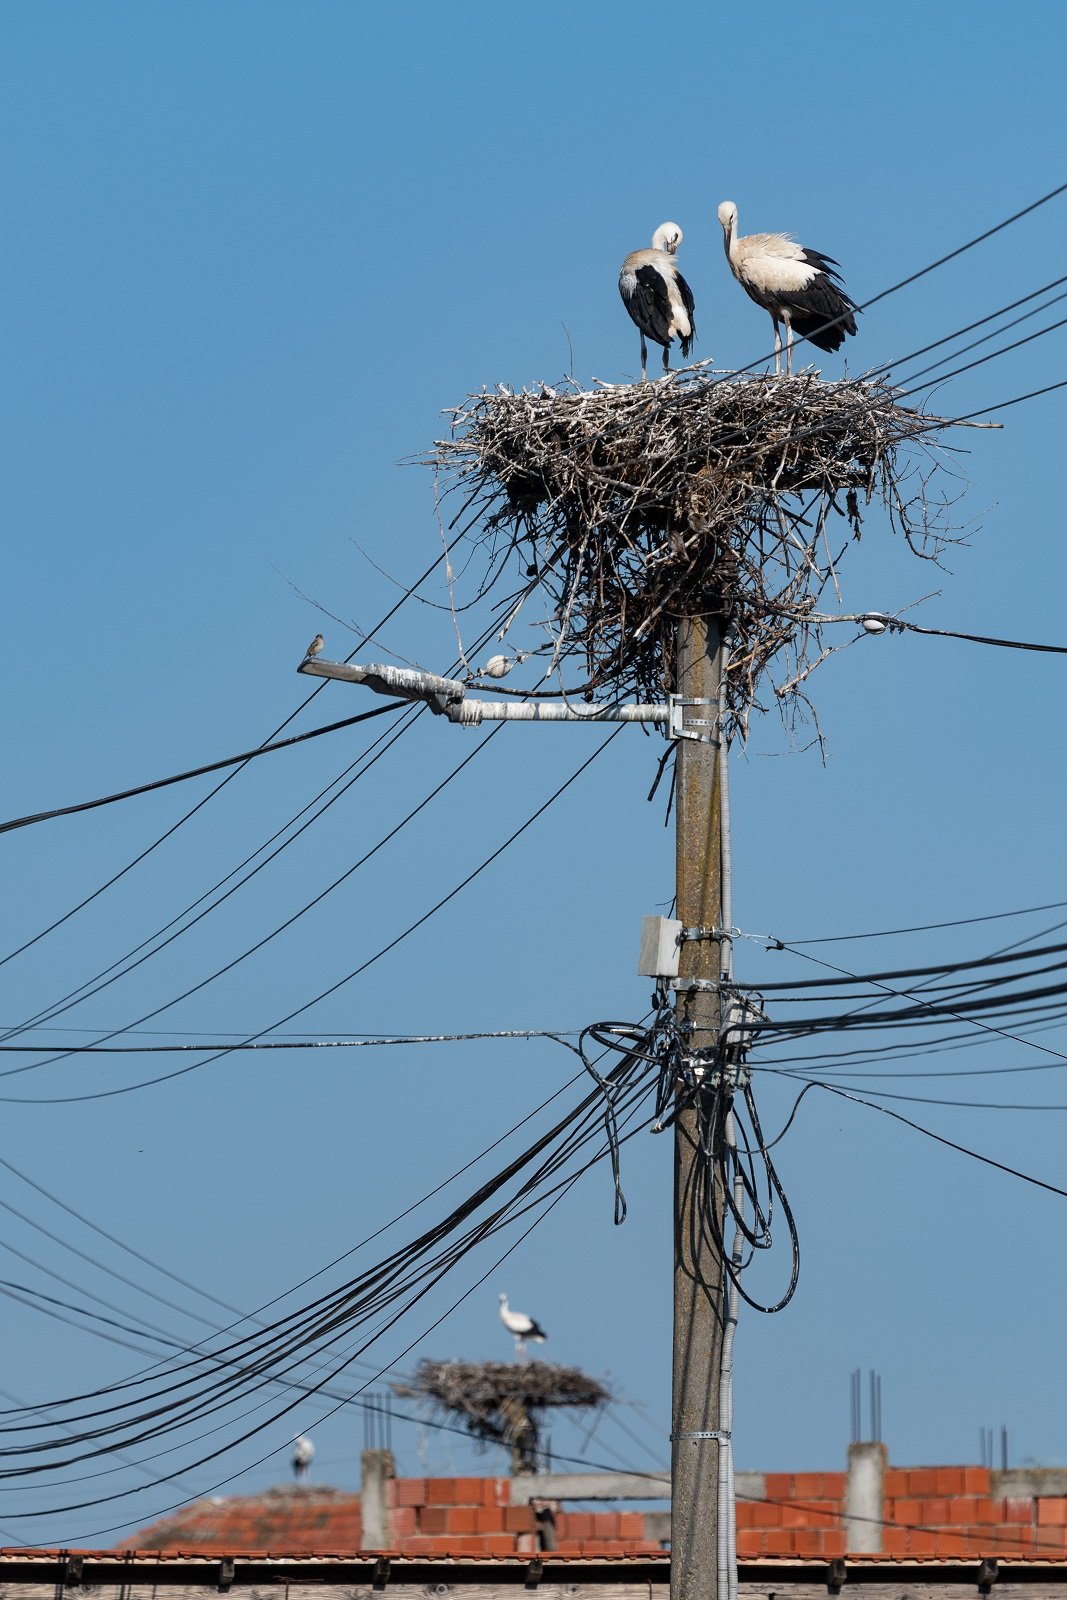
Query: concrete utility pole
[698,1268]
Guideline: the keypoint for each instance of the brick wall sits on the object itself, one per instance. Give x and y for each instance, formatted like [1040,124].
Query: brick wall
[942,1511]
[799,1514]
[454,1516]
[952,1511]
[929,1511]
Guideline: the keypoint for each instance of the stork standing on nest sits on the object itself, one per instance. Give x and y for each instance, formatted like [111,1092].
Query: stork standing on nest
[657,296]
[303,1454]
[521,1326]
[799,287]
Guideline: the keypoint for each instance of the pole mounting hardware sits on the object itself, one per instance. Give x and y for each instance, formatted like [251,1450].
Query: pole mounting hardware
[722,1434]
[723,1071]
[702,985]
[683,726]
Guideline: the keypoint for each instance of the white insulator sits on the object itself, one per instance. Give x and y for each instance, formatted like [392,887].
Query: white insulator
[874,625]
[498,666]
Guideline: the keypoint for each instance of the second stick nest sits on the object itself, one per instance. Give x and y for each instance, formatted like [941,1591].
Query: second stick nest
[505,1402]
[631,507]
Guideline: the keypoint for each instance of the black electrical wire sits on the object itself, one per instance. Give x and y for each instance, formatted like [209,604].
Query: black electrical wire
[919,1013]
[450,1180]
[1017,400]
[377,1233]
[980,638]
[50,1272]
[936,969]
[969,1039]
[715,1092]
[961,1105]
[285,1044]
[426,1240]
[147,851]
[968,327]
[364,762]
[36,1410]
[108,975]
[367,759]
[194,772]
[127,1461]
[940,1138]
[991,355]
[874,1055]
[1035,311]
[267,1455]
[923,927]
[492,1225]
[104,1094]
[280,927]
[83,1255]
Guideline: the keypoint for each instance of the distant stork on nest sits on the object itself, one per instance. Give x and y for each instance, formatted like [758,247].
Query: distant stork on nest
[799,287]
[303,1453]
[521,1326]
[657,296]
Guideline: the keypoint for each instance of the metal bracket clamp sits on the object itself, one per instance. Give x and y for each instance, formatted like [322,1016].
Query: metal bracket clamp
[679,726]
[733,1075]
[708,1066]
[700,985]
[722,1434]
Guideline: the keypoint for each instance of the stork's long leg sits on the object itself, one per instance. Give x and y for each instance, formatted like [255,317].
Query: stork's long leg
[788,343]
[777,349]
[644,357]
[666,357]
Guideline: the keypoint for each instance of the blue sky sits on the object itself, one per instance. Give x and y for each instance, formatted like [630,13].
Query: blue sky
[252,253]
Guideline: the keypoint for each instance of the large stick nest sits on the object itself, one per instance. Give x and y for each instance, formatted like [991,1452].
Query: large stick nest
[497,1400]
[631,507]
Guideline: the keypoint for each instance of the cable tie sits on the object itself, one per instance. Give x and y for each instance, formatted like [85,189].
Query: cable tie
[723,1434]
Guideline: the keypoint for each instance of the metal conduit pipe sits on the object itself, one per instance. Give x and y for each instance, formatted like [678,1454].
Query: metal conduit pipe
[727,1540]
[728,1499]
[472,712]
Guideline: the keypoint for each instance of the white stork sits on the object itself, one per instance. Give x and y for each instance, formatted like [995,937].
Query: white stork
[521,1326]
[799,287]
[657,296]
[303,1454]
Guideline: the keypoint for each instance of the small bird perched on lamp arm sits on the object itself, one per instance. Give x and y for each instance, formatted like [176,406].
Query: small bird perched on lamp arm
[314,647]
